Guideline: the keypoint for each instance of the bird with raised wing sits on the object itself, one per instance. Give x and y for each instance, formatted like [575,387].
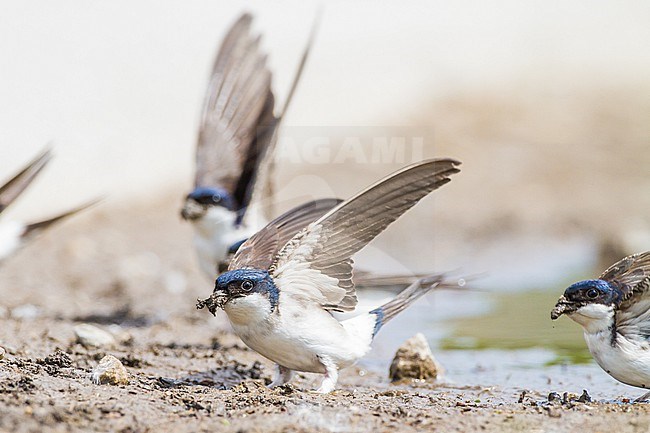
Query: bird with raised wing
[614,312]
[14,234]
[233,191]
[286,280]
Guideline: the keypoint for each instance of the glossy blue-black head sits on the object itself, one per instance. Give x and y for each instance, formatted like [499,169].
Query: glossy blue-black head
[584,293]
[238,284]
[198,201]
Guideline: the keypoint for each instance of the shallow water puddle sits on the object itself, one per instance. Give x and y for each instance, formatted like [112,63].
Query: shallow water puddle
[505,340]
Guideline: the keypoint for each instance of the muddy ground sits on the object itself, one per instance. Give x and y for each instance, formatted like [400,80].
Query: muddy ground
[188,372]
[186,378]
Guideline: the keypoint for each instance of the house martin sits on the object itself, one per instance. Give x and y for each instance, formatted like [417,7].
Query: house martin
[614,312]
[286,280]
[14,234]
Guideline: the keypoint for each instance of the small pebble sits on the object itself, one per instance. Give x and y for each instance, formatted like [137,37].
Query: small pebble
[2,352]
[25,312]
[120,335]
[110,371]
[92,336]
[414,360]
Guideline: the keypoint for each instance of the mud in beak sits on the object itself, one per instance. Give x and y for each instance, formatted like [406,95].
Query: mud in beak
[563,306]
[192,210]
[215,301]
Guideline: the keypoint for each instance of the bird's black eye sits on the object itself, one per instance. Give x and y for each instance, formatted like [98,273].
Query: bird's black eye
[592,293]
[216,198]
[247,285]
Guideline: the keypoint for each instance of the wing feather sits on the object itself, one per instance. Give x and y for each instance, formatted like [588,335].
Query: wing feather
[15,186]
[238,98]
[261,193]
[630,275]
[260,250]
[327,245]
[37,227]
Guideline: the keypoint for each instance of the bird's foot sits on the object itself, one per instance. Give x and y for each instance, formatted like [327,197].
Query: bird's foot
[325,388]
[282,375]
[644,398]
[331,377]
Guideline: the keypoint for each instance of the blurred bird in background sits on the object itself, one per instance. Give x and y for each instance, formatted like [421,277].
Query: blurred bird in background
[233,190]
[14,234]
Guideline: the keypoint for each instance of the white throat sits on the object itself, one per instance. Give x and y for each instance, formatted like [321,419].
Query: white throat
[594,318]
[217,219]
[215,233]
[249,310]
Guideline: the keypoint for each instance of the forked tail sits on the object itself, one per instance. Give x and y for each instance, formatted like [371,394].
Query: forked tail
[409,295]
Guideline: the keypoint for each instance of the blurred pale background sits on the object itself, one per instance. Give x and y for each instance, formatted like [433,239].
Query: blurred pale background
[547,105]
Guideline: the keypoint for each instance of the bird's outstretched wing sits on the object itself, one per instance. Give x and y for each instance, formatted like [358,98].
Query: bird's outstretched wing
[631,276]
[317,261]
[261,192]
[237,110]
[34,229]
[261,248]
[12,189]
[236,146]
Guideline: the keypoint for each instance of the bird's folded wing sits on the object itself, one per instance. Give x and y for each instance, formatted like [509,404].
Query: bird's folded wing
[317,262]
[261,248]
[12,189]
[237,108]
[631,276]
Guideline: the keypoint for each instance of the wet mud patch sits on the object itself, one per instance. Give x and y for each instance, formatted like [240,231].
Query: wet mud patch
[123,316]
[221,378]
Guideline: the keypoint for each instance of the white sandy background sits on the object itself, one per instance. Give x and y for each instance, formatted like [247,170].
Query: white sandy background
[547,103]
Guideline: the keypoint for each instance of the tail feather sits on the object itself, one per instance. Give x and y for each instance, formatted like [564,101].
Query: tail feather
[366,279]
[409,295]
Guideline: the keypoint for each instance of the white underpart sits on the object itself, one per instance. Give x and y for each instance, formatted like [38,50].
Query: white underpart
[215,233]
[10,238]
[628,360]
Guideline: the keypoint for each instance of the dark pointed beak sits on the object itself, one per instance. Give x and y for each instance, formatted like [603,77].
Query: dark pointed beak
[216,300]
[192,210]
[563,306]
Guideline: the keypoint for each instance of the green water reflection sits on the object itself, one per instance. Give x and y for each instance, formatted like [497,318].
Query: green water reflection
[521,321]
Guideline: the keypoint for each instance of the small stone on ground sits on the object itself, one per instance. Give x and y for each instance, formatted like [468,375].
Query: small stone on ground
[110,371]
[92,336]
[414,360]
